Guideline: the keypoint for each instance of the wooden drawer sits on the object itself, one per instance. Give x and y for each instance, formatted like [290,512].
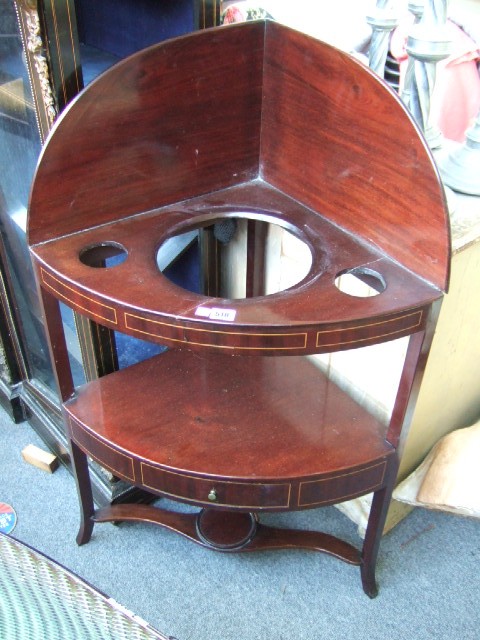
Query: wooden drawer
[246,495]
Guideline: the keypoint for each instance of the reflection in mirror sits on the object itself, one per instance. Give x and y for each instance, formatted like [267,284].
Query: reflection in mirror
[235,257]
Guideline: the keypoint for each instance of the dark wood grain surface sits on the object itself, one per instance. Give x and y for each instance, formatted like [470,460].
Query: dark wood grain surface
[276,424]
[168,123]
[259,122]
[313,316]
[334,139]
[217,108]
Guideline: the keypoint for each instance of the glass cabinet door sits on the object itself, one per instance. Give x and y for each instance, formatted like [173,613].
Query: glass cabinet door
[20,145]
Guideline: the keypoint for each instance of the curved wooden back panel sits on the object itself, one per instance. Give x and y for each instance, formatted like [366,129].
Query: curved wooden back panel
[221,107]
[173,121]
[336,139]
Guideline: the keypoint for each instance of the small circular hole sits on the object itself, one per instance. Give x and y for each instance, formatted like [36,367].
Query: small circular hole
[103,255]
[360,282]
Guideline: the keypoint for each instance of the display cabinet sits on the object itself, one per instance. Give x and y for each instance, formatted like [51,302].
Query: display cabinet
[26,112]
[235,417]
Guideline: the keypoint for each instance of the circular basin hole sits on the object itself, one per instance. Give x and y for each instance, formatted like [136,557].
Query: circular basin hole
[360,282]
[236,256]
[103,255]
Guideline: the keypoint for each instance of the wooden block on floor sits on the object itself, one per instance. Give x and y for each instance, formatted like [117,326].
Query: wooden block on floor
[39,458]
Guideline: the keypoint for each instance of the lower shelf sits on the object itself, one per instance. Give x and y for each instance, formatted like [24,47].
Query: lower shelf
[250,433]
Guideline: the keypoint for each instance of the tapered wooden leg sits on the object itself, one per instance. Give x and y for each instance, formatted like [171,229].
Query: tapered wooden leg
[376,523]
[84,489]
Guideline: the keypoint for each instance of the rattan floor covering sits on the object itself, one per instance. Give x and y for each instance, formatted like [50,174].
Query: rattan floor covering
[39,599]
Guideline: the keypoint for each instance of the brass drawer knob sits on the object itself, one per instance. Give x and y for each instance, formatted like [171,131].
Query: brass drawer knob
[212,496]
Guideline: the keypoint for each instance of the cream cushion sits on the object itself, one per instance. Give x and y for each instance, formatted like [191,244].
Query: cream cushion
[449,477]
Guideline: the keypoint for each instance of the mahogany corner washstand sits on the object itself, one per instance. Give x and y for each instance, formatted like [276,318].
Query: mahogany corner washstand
[264,125]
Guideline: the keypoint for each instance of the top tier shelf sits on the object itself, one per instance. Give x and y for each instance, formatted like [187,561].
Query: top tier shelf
[250,121]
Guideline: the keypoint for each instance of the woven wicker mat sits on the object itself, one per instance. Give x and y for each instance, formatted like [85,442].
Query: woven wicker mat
[39,599]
